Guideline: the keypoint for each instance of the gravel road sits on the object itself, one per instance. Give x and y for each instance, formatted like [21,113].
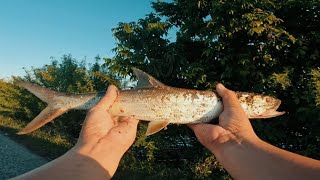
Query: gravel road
[16,159]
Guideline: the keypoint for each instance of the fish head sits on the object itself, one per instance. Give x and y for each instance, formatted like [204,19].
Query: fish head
[260,106]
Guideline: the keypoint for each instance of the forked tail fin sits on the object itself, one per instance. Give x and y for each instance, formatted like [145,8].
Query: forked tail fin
[55,108]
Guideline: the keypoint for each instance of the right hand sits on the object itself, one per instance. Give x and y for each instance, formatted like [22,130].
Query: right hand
[104,138]
[234,125]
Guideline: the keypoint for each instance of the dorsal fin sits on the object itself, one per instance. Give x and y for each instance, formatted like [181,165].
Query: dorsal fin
[145,80]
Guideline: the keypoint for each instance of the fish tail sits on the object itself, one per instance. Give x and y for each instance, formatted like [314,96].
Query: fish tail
[55,107]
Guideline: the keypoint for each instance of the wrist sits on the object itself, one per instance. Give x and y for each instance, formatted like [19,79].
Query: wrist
[97,149]
[229,143]
[106,154]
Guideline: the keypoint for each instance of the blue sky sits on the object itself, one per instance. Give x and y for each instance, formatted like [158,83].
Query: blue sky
[32,31]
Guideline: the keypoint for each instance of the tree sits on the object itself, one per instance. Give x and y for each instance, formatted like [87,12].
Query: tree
[263,46]
[8,101]
[69,76]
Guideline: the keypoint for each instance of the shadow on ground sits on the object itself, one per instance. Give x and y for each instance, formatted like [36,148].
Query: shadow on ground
[39,146]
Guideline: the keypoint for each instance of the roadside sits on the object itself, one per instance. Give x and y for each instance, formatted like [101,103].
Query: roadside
[16,159]
[21,153]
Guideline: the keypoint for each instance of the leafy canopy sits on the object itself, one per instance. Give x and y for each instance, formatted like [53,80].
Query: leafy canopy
[265,46]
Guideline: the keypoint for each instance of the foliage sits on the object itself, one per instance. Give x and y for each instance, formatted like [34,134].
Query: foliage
[46,145]
[266,46]
[8,101]
[315,73]
[281,79]
[71,76]
[68,76]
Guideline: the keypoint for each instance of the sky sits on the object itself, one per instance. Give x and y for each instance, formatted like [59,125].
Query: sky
[32,31]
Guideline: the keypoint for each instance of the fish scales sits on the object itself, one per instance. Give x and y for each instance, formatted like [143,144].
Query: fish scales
[168,104]
[151,101]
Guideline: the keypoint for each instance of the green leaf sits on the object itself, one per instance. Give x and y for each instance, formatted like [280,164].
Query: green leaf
[258,30]
[127,28]
[293,39]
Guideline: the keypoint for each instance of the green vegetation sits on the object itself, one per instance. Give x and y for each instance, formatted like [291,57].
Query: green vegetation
[265,46]
[18,106]
[43,143]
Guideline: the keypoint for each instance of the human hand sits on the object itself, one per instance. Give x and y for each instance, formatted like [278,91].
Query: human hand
[105,138]
[234,125]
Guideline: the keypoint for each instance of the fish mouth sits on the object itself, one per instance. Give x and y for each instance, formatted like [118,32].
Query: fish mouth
[277,105]
[272,112]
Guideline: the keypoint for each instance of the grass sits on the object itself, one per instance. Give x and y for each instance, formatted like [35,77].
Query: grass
[52,146]
[40,142]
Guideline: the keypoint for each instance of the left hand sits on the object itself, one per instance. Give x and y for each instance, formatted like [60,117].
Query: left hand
[105,138]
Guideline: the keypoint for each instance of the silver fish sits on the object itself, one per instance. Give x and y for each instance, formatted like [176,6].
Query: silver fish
[152,101]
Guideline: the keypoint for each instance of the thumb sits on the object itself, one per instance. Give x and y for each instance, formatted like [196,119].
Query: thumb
[229,97]
[108,99]
[98,121]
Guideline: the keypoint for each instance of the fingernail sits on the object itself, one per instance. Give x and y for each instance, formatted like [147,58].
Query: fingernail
[220,87]
[111,87]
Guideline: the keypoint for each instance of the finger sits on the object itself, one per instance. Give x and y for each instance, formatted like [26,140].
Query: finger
[192,126]
[126,129]
[124,125]
[200,128]
[98,121]
[127,123]
[108,99]
[229,97]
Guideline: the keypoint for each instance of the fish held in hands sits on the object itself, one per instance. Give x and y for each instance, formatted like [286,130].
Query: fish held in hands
[151,101]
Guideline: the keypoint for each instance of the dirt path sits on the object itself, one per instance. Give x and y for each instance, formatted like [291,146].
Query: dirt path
[16,159]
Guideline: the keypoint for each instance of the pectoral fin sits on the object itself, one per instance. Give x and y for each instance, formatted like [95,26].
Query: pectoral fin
[156,126]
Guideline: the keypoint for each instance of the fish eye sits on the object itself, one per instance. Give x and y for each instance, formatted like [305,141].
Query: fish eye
[268,99]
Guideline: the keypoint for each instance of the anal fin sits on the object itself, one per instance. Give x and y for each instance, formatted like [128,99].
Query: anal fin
[156,126]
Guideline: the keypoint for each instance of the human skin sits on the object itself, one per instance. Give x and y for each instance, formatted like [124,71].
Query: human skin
[243,154]
[102,142]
